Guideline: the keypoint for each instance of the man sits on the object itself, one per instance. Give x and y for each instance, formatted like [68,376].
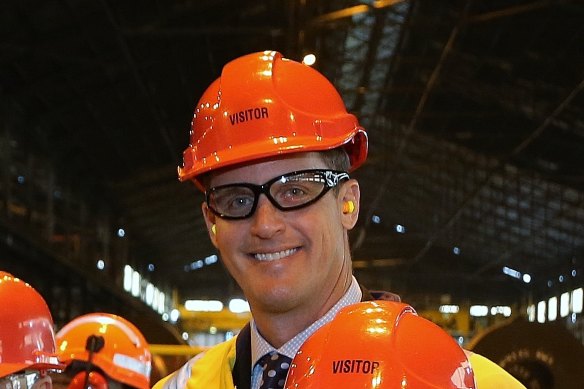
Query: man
[272,146]
[27,340]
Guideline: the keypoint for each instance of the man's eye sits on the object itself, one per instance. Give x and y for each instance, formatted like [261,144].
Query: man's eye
[290,193]
[295,192]
[240,202]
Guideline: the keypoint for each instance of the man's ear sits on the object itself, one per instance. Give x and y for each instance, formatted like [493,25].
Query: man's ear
[210,219]
[350,194]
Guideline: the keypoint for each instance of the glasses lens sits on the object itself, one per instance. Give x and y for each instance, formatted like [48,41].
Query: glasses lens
[298,189]
[232,201]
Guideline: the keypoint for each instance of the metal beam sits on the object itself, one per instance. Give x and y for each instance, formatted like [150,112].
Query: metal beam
[352,11]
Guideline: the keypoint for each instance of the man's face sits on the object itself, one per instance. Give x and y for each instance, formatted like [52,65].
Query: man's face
[285,260]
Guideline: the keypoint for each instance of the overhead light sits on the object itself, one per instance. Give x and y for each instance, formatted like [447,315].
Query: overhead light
[517,274]
[501,310]
[565,304]
[511,272]
[211,259]
[479,310]
[149,294]
[577,300]
[531,313]
[238,306]
[309,59]
[200,263]
[448,309]
[541,312]
[135,291]
[203,305]
[161,298]
[552,308]
[128,271]
[174,315]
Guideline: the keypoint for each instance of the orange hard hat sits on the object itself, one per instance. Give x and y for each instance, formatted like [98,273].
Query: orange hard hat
[27,338]
[380,345]
[111,343]
[265,105]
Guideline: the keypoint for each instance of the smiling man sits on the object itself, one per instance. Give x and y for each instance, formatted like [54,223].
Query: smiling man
[272,147]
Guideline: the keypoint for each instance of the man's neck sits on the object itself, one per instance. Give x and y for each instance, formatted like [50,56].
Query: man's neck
[279,328]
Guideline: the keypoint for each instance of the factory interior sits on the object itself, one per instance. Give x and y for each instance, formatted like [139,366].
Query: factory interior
[472,196]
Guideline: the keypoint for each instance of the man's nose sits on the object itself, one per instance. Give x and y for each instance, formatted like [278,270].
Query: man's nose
[267,220]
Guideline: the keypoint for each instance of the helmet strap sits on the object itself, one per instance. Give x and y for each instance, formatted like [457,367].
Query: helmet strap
[93,345]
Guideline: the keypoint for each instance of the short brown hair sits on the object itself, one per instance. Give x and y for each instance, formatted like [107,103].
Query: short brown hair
[336,159]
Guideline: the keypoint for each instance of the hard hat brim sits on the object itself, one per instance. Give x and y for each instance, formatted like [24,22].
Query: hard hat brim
[274,148]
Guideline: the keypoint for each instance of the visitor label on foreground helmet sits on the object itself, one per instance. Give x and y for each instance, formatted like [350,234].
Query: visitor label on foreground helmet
[355,366]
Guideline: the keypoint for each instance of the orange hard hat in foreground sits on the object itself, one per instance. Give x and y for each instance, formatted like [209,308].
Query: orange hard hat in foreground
[380,345]
[111,343]
[27,339]
[265,105]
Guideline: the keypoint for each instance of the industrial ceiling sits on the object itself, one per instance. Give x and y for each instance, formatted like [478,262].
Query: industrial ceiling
[474,111]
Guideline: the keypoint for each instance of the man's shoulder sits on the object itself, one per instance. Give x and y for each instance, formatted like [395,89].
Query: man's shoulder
[369,295]
[385,296]
[490,375]
[207,366]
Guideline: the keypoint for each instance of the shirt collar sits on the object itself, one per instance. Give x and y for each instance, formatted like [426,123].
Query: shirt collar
[260,346]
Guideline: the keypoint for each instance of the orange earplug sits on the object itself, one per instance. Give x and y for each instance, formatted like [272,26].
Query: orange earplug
[348,206]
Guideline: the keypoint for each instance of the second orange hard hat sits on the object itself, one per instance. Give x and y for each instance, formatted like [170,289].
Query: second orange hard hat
[120,351]
[380,345]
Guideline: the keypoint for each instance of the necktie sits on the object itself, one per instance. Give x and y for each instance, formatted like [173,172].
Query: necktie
[275,368]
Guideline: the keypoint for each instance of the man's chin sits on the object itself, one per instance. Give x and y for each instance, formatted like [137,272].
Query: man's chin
[279,301]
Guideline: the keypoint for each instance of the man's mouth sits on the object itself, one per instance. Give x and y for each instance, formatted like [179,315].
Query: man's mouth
[275,255]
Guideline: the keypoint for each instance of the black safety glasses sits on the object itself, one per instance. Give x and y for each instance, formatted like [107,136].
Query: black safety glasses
[288,192]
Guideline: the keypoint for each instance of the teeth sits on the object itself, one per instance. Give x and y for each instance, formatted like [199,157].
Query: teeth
[274,256]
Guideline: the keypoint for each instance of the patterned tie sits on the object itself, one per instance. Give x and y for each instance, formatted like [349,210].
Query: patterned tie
[275,368]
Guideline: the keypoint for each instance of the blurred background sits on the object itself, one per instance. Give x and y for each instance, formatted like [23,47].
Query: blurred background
[472,196]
